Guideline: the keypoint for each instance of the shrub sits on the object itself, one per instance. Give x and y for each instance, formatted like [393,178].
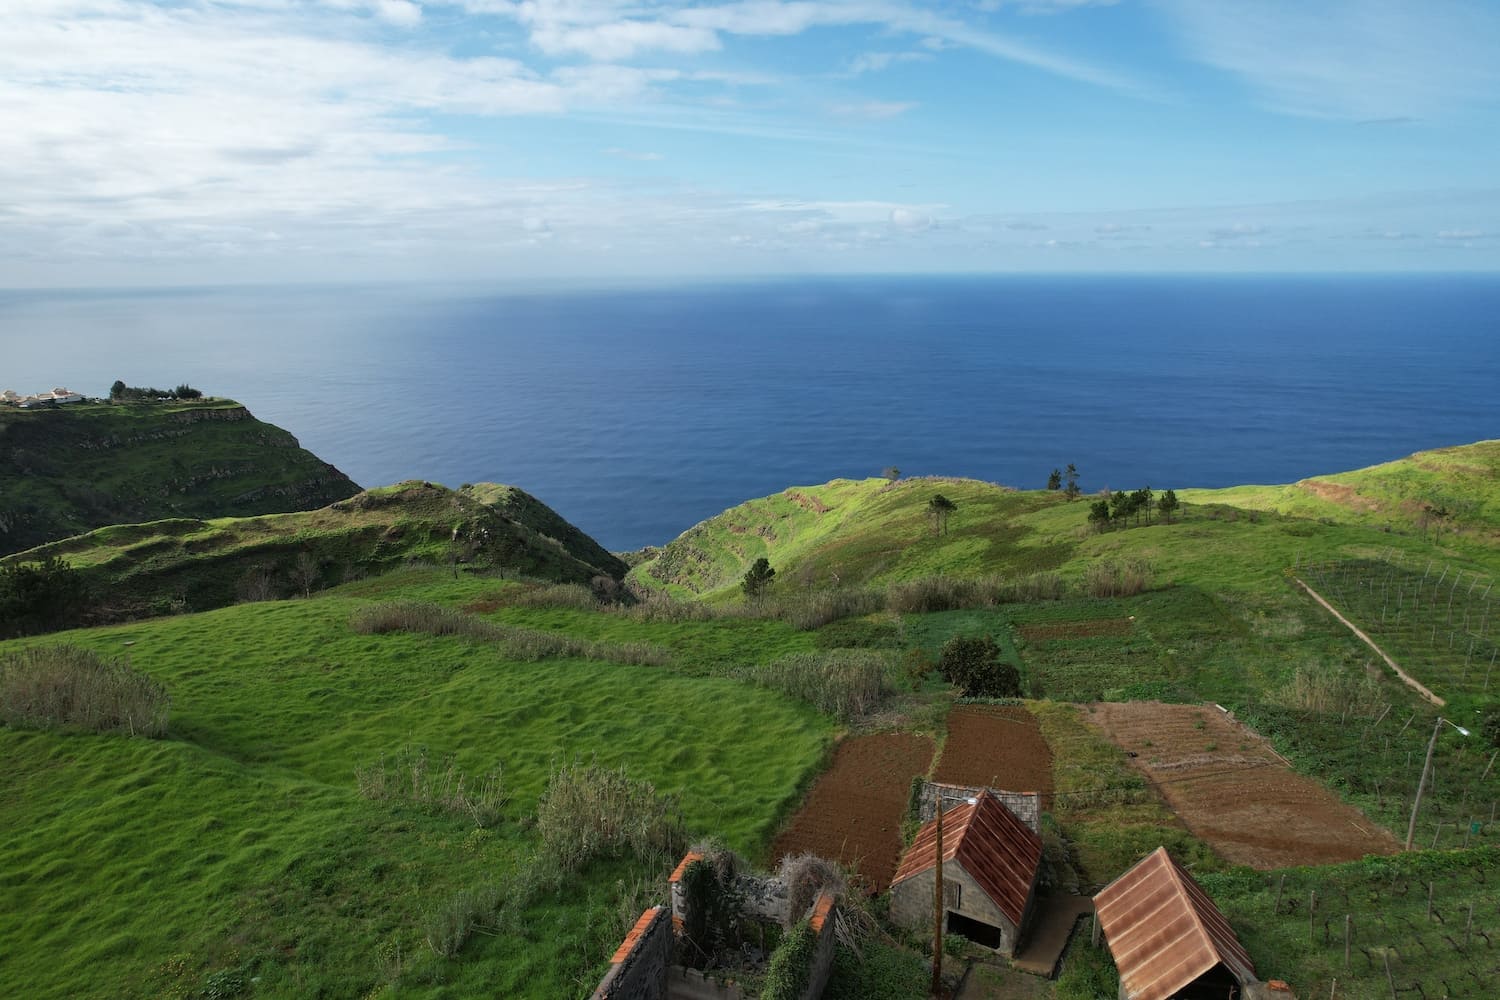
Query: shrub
[791,964]
[974,664]
[1117,579]
[524,644]
[847,683]
[40,597]
[559,595]
[591,811]
[938,593]
[806,876]
[448,927]
[823,607]
[72,687]
[407,776]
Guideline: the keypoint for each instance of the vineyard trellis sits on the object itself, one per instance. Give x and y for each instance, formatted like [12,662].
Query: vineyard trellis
[1440,622]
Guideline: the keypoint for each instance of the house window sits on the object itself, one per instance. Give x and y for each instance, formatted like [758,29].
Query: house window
[953,895]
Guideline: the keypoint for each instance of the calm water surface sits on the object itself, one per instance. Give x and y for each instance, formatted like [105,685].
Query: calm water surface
[638,413]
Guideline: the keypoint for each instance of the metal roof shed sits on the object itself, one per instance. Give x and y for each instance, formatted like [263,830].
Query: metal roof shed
[1169,940]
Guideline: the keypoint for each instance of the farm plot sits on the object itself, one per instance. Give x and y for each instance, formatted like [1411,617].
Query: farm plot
[853,813]
[1234,792]
[996,745]
[1440,623]
[1072,654]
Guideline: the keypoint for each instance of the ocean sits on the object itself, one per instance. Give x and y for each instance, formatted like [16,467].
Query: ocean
[637,412]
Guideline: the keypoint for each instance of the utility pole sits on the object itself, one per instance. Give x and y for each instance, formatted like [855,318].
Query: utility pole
[937,907]
[1411,829]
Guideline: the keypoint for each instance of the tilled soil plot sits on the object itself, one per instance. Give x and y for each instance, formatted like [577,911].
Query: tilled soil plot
[1233,791]
[853,813]
[996,745]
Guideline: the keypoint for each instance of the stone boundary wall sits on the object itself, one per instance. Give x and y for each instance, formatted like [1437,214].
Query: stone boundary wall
[1027,806]
[638,969]
[824,917]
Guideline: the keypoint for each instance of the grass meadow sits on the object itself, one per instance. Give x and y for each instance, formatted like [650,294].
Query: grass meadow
[237,852]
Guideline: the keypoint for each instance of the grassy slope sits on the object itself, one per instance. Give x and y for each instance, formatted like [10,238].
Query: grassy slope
[239,848]
[83,466]
[205,563]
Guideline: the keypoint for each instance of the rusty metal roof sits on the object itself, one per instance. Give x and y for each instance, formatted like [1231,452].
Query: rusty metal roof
[998,851]
[1164,931]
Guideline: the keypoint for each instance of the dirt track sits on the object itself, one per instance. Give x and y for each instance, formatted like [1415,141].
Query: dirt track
[853,812]
[1233,792]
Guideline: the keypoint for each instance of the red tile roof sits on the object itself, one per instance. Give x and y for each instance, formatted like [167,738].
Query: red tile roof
[634,937]
[998,851]
[1164,931]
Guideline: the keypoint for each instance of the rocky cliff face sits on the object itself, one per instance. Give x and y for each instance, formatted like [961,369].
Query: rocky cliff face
[69,470]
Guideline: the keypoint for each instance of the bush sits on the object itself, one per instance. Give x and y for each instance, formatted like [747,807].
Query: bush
[791,964]
[448,927]
[72,687]
[974,664]
[1117,579]
[591,811]
[823,607]
[524,644]
[407,776]
[40,597]
[847,683]
[938,593]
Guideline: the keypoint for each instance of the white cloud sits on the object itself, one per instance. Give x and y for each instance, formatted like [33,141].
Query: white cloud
[910,221]
[876,62]
[1461,234]
[874,110]
[1363,60]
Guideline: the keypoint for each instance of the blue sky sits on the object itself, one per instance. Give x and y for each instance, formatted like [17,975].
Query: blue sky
[271,140]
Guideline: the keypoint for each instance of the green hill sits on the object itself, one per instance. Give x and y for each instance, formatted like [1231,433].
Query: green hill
[189,564]
[84,466]
[853,533]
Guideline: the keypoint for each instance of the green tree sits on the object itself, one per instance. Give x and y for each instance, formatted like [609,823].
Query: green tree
[1099,515]
[758,578]
[185,391]
[1054,479]
[974,664]
[1168,505]
[40,597]
[939,509]
[1070,476]
[117,391]
[1119,506]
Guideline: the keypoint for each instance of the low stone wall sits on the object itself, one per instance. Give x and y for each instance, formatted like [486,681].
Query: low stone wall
[824,917]
[1026,805]
[638,969]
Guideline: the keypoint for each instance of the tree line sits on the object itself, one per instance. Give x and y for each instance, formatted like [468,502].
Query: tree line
[121,392]
[1123,510]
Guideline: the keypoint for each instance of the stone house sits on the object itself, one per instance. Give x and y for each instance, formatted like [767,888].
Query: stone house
[991,864]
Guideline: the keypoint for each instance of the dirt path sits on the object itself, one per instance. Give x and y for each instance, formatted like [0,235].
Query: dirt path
[1233,791]
[1406,678]
[853,812]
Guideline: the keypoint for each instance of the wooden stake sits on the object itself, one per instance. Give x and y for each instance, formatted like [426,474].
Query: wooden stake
[1469,927]
[1411,829]
[1348,920]
[937,907]
[1390,979]
[1281,884]
[1312,908]
[1429,902]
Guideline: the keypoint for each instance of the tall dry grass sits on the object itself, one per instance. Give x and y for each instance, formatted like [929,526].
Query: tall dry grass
[846,683]
[66,686]
[409,776]
[1122,578]
[591,811]
[523,644]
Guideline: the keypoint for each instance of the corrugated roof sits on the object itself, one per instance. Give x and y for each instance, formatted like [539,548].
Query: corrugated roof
[1164,931]
[998,851]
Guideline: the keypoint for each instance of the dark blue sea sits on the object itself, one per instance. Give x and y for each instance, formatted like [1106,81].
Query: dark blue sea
[638,412]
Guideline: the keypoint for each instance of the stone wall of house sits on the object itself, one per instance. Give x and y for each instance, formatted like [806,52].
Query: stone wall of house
[911,903]
[1026,805]
[638,970]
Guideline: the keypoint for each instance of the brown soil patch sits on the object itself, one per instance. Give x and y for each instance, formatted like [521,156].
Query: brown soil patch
[1096,629]
[996,745]
[486,604]
[808,503]
[853,813]
[1344,496]
[1233,791]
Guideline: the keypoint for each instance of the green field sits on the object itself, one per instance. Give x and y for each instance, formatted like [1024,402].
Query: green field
[237,857]
[238,849]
